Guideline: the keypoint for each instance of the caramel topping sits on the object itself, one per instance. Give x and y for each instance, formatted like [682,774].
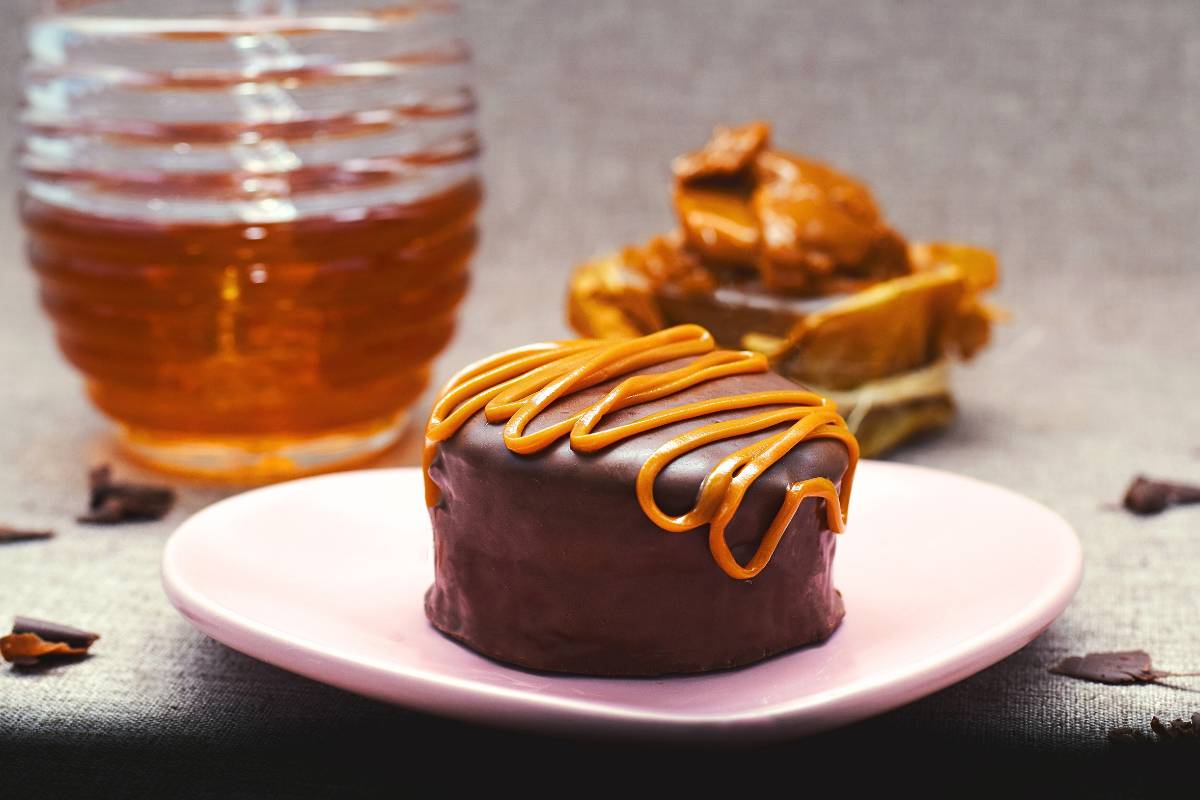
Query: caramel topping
[515,386]
[719,224]
[730,152]
[805,227]
[812,216]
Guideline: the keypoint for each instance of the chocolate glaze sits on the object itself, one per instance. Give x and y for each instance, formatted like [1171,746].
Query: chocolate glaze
[548,561]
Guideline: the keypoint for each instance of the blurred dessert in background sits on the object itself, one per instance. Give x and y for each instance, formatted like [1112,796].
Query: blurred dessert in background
[785,256]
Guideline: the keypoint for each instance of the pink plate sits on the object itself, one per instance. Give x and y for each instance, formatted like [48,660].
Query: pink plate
[943,576]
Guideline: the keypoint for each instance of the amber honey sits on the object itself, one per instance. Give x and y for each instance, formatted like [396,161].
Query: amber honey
[250,221]
[297,344]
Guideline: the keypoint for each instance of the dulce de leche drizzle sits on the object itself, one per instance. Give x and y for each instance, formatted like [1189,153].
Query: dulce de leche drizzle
[515,386]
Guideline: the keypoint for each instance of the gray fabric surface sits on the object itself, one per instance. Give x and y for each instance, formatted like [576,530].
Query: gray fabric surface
[1061,135]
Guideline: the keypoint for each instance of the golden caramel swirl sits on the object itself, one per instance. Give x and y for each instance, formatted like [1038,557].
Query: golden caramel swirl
[515,386]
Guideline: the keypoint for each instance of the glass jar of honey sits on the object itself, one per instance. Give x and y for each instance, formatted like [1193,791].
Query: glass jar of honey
[250,220]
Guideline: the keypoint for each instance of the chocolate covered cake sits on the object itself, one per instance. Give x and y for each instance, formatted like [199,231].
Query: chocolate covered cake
[634,507]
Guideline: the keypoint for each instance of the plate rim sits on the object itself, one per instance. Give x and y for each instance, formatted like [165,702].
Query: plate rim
[789,716]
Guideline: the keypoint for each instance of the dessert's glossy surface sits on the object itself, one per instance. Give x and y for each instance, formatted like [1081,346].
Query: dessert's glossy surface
[567,481]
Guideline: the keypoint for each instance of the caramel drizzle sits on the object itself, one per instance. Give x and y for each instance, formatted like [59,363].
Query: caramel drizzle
[515,386]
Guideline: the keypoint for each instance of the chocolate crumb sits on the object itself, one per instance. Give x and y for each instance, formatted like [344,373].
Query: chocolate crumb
[1177,729]
[10,534]
[1176,732]
[34,640]
[1146,496]
[112,501]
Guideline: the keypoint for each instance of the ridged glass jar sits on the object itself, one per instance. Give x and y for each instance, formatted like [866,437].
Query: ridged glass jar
[251,221]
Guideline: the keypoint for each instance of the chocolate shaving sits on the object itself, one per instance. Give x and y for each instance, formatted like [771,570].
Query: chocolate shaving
[1146,496]
[1117,668]
[27,649]
[55,632]
[121,501]
[10,534]
[33,640]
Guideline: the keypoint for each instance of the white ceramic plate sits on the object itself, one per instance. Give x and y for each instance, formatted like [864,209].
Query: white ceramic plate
[942,576]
